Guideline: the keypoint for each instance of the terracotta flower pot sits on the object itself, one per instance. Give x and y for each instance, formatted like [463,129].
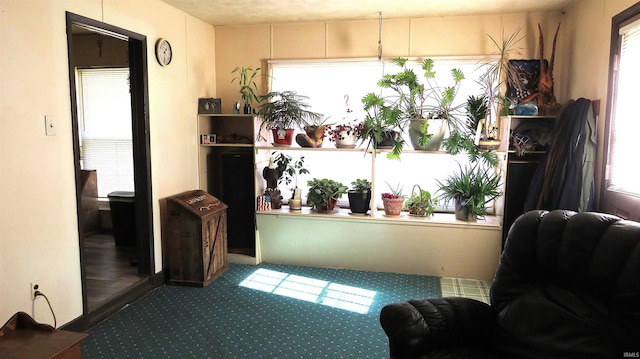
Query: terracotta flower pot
[392,206]
[328,207]
[282,136]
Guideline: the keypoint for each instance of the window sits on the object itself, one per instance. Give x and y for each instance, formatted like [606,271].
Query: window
[335,86]
[625,124]
[104,107]
[620,187]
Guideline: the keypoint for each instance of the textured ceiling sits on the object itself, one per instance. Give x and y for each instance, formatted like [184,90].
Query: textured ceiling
[242,12]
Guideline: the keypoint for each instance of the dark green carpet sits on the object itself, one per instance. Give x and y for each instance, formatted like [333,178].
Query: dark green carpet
[226,320]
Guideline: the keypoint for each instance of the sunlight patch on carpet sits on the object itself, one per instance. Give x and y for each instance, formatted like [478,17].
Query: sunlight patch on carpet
[318,291]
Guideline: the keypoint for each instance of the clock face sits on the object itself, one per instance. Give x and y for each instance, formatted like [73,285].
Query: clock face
[163,52]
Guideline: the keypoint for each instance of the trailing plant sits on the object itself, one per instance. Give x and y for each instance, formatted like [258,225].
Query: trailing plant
[473,186]
[361,185]
[382,120]
[246,79]
[355,128]
[420,203]
[322,191]
[288,168]
[285,110]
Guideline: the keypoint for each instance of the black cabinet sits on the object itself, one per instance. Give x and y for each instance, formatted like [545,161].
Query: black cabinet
[227,163]
[528,139]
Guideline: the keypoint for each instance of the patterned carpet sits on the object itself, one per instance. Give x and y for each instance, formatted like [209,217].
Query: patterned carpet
[251,312]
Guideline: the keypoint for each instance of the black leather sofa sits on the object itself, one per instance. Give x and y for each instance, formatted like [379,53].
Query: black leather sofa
[567,286]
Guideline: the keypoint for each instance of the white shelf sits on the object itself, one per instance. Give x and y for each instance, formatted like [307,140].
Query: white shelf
[438,219]
[226,145]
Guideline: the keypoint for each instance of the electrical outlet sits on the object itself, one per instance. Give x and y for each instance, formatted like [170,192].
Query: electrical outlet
[35,286]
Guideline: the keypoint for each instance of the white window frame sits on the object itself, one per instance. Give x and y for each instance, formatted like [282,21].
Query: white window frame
[414,168]
[105,127]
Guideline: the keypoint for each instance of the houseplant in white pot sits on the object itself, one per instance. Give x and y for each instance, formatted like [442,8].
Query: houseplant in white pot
[346,135]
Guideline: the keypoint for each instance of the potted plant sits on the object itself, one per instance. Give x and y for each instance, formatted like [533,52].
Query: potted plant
[359,196]
[346,135]
[426,131]
[393,201]
[314,133]
[470,189]
[420,203]
[324,194]
[282,113]
[495,74]
[288,168]
[248,88]
[383,125]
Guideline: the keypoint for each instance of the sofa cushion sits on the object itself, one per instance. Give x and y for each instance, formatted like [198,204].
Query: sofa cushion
[552,322]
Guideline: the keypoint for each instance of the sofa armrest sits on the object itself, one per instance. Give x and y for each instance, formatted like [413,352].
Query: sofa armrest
[419,326]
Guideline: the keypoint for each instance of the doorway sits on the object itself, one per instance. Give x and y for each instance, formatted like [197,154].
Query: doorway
[101,257]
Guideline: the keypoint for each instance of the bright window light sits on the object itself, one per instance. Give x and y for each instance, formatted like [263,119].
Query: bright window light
[626,124]
[312,290]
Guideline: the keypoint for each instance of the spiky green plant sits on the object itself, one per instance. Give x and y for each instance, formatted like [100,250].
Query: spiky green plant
[473,185]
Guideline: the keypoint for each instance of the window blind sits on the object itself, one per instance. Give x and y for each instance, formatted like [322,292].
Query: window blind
[626,124]
[104,118]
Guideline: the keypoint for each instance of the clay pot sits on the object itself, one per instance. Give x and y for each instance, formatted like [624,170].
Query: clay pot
[283,137]
[392,206]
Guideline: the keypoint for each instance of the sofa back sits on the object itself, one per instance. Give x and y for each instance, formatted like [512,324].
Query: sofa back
[575,271]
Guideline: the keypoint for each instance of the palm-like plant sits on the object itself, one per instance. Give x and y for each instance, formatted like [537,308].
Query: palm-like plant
[286,109]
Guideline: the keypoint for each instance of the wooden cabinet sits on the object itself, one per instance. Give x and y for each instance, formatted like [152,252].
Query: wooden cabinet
[526,140]
[23,337]
[197,238]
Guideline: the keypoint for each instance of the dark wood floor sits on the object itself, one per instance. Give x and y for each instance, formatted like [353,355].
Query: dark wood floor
[109,270]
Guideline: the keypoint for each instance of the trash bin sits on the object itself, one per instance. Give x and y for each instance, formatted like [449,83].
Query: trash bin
[123,217]
[196,238]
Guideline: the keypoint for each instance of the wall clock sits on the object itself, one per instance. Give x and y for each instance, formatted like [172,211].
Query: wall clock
[163,52]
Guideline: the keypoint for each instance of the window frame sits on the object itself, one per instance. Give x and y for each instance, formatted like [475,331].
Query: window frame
[614,201]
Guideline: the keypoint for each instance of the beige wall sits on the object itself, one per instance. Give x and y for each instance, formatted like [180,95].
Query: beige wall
[436,36]
[587,64]
[38,235]
[38,225]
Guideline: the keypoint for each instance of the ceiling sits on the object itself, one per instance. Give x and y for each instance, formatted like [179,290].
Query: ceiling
[244,12]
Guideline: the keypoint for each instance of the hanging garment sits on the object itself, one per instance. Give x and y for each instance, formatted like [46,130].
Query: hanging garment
[564,178]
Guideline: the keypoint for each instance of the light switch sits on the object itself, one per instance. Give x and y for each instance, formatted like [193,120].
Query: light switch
[50,125]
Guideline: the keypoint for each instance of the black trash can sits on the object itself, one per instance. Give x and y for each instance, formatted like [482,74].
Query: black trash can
[123,217]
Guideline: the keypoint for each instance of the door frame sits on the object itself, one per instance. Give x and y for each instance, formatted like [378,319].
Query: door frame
[141,154]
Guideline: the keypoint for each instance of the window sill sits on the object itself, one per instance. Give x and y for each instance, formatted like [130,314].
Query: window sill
[342,214]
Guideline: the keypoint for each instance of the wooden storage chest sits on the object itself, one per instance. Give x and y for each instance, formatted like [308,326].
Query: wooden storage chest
[197,238]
